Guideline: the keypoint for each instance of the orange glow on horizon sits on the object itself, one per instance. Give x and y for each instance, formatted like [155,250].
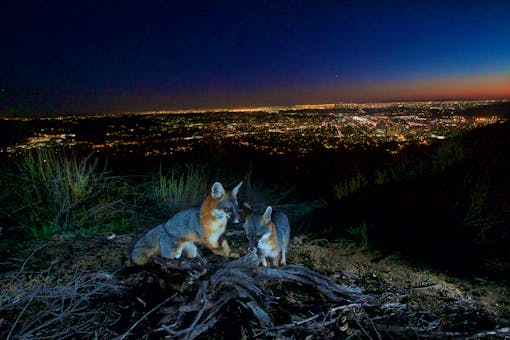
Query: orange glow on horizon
[474,87]
[478,87]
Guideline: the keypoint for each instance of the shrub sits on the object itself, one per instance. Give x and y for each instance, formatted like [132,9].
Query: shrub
[359,234]
[446,154]
[477,213]
[350,185]
[178,189]
[382,177]
[53,193]
[405,167]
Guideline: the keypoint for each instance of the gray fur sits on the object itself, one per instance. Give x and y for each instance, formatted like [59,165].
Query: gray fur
[167,239]
[256,226]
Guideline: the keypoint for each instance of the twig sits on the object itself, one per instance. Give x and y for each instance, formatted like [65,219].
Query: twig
[197,317]
[123,336]
[499,332]
[26,261]
[375,329]
[66,305]
[431,286]
[362,328]
[19,316]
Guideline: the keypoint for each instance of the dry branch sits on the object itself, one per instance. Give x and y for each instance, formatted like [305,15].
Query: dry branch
[244,284]
[292,302]
[57,311]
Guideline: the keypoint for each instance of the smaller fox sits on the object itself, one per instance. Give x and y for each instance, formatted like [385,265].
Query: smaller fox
[269,233]
[205,225]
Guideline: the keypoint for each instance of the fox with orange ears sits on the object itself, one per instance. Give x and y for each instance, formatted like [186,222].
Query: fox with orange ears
[205,226]
[269,234]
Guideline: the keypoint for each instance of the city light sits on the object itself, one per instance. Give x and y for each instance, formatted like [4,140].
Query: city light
[273,130]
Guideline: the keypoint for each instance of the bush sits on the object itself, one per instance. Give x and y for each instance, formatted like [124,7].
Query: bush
[178,189]
[405,167]
[359,235]
[446,154]
[350,185]
[478,215]
[53,193]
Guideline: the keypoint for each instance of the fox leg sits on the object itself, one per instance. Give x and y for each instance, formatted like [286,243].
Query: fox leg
[283,260]
[168,247]
[186,245]
[275,260]
[263,260]
[188,249]
[285,246]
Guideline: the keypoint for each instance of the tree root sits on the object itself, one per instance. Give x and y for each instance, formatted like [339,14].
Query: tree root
[243,283]
[291,301]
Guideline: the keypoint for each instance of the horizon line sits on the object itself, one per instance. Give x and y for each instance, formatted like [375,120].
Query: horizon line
[241,109]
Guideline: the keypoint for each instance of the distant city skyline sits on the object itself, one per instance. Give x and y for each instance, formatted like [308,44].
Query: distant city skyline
[65,56]
[280,130]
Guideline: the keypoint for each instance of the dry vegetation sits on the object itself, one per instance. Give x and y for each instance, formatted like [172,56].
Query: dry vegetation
[86,287]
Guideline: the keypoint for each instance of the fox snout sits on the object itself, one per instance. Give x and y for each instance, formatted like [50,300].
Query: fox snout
[233,215]
[236,219]
[253,240]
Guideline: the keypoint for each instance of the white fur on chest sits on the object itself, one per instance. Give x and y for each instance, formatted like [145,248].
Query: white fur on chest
[265,247]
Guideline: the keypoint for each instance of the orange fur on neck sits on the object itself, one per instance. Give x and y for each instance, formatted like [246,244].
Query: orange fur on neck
[207,218]
[273,239]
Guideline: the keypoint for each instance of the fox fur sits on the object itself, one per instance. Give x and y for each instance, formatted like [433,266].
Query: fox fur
[205,226]
[269,233]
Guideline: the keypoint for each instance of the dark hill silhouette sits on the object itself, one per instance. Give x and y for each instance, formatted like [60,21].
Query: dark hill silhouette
[426,217]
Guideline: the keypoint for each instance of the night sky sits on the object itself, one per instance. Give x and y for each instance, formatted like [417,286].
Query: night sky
[103,56]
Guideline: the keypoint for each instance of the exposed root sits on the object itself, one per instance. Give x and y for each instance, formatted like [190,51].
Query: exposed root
[217,297]
[293,302]
[243,285]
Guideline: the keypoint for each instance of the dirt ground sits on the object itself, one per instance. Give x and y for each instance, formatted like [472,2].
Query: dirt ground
[129,292]
[376,274]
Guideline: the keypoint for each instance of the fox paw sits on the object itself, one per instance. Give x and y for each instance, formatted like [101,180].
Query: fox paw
[234,255]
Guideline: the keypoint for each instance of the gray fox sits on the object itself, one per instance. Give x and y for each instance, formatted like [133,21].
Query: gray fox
[269,233]
[205,225]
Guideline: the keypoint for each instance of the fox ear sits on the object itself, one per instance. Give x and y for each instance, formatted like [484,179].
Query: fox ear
[236,189]
[217,190]
[267,214]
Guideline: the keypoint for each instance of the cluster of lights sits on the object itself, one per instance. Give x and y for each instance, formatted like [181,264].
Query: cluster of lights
[273,130]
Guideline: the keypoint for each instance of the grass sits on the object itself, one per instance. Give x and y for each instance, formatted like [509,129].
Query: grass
[382,177]
[260,194]
[350,185]
[447,154]
[477,213]
[404,167]
[52,192]
[178,189]
[47,192]
[359,235]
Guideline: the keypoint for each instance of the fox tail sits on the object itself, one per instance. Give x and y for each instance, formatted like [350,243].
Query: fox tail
[146,247]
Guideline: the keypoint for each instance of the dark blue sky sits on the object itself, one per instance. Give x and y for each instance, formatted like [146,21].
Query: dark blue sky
[77,56]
